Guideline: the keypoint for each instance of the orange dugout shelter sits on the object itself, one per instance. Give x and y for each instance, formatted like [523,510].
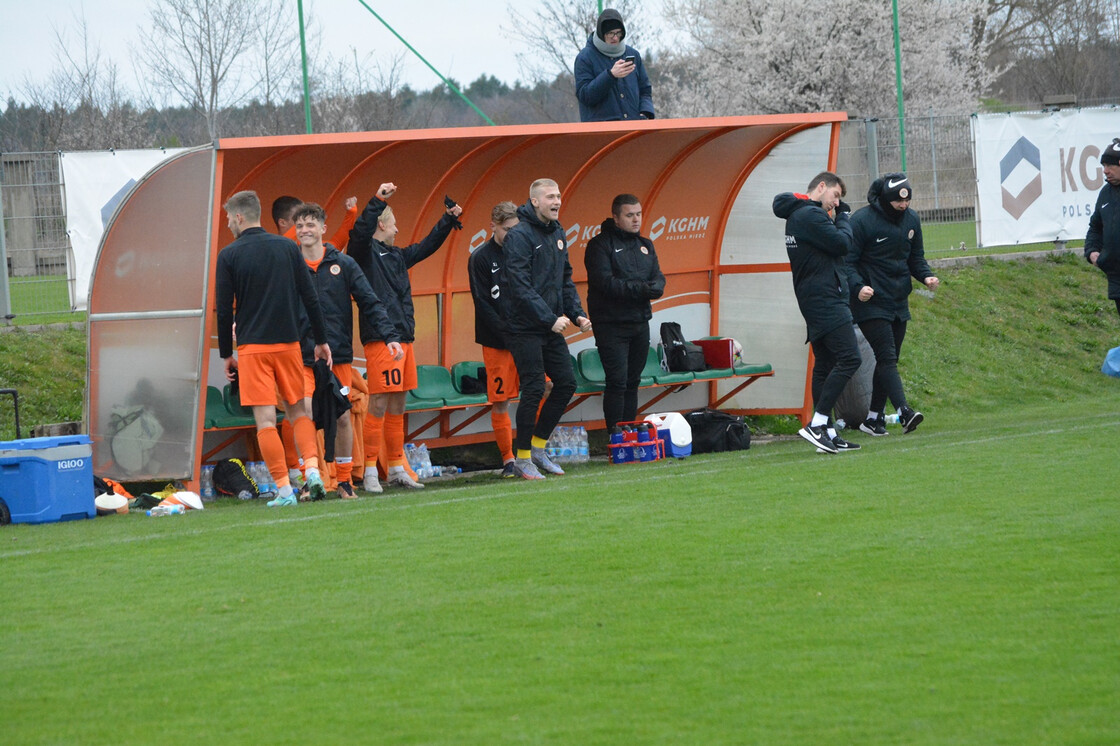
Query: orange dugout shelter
[706,187]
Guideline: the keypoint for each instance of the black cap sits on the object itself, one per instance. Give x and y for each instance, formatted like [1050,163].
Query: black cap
[609,20]
[896,187]
[1111,153]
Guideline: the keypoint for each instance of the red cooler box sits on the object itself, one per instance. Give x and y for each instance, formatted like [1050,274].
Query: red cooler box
[43,480]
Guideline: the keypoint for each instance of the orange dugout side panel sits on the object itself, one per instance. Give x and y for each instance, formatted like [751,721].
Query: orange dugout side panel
[705,186]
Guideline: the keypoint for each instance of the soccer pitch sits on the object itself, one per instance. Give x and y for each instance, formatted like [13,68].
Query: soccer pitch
[960,584]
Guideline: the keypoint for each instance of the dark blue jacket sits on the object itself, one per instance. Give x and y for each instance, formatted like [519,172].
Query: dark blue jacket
[539,274]
[269,280]
[1104,236]
[885,254]
[489,287]
[337,279]
[605,98]
[816,245]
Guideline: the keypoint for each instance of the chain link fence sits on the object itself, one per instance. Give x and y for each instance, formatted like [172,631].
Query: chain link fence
[34,244]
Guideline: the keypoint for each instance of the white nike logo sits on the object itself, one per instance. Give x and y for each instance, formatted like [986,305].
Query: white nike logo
[383,253]
[893,184]
[538,246]
[494,269]
[880,240]
[1104,205]
[617,250]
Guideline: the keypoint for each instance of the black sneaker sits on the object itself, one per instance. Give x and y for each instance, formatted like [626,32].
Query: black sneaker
[909,419]
[818,437]
[843,445]
[874,427]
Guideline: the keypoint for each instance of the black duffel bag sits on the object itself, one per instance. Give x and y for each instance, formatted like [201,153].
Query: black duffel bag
[714,431]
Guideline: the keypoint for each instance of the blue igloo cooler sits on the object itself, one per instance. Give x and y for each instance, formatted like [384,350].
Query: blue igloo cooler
[43,480]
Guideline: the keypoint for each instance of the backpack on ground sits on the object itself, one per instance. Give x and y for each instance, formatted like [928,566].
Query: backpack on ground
[677,353]
[232,478]
[714,431]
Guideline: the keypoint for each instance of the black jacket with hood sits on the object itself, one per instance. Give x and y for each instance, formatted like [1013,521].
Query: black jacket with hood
[1104,236]
[623,275]
[539,274]
[489,287]
[886,251]
[816,245]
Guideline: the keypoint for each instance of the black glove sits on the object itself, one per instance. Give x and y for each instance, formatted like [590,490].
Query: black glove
[843,208]
[449,203]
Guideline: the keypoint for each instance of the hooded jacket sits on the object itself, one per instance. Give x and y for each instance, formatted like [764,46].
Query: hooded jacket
[603,97]
[886,251]
[539,275]
[816,245]
[623,275]
[386,268]
[1104,236]
[337,279]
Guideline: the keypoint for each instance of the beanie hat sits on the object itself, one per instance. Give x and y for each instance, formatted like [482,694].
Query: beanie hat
[896,187]
[609,20]
[1111,153]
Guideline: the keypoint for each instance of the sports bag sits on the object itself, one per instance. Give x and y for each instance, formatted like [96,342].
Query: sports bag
[232,478]
[714,431]
[678,354]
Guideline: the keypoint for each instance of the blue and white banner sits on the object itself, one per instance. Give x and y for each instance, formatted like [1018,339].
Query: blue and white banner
[1038,173]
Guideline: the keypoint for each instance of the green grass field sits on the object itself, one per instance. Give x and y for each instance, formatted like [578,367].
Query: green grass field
[955,585]
[960,584]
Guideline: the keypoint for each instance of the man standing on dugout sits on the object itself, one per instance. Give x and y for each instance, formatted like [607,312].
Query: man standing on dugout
[267,278]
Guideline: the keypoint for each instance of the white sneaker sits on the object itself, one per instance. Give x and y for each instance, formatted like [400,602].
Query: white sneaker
[370,482]
[402,479]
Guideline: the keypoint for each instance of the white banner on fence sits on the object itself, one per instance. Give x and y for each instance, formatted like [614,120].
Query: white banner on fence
[95,183]
[1038,174]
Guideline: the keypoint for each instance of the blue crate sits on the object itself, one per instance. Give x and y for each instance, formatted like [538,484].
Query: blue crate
[43,480]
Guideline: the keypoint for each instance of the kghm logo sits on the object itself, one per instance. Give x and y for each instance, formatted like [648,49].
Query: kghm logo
[675,229]
[71,464]
[1020,177]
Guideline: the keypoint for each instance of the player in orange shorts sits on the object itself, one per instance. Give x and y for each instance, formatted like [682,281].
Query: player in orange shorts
[337,278]
[386,267]
[265,277]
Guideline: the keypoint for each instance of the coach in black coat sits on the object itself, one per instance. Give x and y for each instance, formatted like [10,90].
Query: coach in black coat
[1102,242]
[816,243]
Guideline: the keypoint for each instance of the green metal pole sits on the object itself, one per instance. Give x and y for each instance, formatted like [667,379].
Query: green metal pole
[303,56]
[447,82]
[898,86]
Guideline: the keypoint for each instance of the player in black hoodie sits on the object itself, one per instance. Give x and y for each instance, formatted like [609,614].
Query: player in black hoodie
[816,243]
[622,277]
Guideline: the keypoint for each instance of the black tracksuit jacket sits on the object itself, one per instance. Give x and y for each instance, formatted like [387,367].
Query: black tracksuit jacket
[540,275]
[1104,236]
[337,279]
[267,276]
[487,272]
[623,275]
[816,245]
[386,268]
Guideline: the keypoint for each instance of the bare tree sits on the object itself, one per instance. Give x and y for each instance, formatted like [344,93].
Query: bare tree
[355,94]
[195,51]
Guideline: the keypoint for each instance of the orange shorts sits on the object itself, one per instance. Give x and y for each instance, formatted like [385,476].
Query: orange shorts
[502,383]
[263,371]
[386,375]
[344,372]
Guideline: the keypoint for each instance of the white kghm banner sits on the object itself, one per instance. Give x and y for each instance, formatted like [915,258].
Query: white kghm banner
[1038,174]
[95,184]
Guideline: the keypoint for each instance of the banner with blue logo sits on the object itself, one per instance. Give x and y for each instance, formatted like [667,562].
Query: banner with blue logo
[1038,173]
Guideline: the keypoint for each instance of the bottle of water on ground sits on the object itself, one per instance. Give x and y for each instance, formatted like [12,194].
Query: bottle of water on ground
[206,483]
[166,510]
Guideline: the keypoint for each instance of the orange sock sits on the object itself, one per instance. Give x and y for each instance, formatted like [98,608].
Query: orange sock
[503,433]
[372,435]
[305,441]
[272,451]
[344,468]
[394,439]
[288,437]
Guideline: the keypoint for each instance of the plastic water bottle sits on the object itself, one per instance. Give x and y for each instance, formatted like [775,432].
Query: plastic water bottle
[567,445]
[583,453]
[892,418]
[629,436]
[166,510]
[617,452]
[411,456]
[206,482]
[647,451]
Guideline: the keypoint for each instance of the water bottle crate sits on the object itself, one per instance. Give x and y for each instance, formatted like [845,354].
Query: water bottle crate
[638,444]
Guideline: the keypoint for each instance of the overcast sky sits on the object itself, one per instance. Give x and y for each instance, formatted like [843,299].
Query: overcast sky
[461,38]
